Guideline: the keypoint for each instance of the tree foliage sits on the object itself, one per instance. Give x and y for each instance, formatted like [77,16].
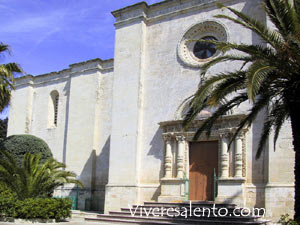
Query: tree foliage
[34,179]
[269,77]
[7,72]
[266,81]
[19,145]
[3,128]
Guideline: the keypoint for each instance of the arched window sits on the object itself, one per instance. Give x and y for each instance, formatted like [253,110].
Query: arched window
[53,108]
[184,107]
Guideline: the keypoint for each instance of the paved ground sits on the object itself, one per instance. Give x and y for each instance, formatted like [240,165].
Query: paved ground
[71,222]
[62,223]
[77,219]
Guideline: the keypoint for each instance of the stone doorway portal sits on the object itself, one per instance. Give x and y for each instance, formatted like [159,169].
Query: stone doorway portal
[181,150]
[203,160]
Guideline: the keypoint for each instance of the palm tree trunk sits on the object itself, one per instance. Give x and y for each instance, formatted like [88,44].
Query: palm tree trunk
[295,122]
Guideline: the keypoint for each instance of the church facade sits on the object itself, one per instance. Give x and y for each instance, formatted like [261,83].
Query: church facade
[117,123]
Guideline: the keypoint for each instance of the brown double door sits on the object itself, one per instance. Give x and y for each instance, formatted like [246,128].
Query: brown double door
[203,160]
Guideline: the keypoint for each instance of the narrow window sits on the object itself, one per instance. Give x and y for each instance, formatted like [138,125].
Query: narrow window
[53,109]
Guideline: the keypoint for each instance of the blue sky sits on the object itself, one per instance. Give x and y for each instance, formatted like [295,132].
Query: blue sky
[48,35]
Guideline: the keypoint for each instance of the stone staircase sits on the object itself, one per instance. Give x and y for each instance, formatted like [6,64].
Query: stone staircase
[206,213]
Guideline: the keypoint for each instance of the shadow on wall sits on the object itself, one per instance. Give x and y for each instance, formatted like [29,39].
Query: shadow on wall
[258,167]
[157,150]
[95,177]
[256,197]
[66,91]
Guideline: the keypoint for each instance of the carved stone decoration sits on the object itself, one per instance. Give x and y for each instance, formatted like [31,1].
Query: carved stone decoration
[244,156]
[186,159]
[224,156]
[176,164]
[168,156]
[219,156]
[221,132]
[201,30]
[239,156]
[180,156]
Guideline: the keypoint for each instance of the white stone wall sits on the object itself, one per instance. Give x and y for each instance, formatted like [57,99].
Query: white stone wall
[167,81]
[127,112]
[164,82]
[81,138]
[20,112]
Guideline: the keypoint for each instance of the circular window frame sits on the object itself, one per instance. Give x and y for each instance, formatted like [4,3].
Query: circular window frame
[196,32]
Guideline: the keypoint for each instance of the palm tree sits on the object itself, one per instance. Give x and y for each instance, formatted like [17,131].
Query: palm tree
[33,179]
[7,78]
[269,78]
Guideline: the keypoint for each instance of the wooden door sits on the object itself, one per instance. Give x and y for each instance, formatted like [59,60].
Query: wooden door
[203,159]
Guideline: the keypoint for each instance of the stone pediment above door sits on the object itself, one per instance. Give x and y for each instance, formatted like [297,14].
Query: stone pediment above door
[226,125]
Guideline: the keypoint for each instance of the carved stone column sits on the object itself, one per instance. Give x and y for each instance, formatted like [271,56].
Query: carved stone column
[168,156]
[180,156]
[239,156]
[224,157]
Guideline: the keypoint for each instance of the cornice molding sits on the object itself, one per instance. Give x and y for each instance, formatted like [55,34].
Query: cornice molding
[89,66]
[161,10]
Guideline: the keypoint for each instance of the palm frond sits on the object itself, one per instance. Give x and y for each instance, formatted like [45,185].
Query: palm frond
[7,73]
[14,67]
[256,51]
[34,179]
[264,136]
[199,100]
[256,75]
[259,105]
[266,34]
[284,17]
[208,123]
[280,117]
[275,118]
[297,8]
[224,58]
[192,113]
[4,48]
[234,82]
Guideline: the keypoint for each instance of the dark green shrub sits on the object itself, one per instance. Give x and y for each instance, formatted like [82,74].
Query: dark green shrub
[286,220]
[18,145]
[4,190]
[36,208]
[3,128]
[7,201]
[8,206]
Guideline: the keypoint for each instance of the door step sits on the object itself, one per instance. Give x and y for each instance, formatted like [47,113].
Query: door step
[178,213]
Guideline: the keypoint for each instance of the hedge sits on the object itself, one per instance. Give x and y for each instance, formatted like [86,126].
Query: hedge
[35,208]
[18,145]
[7,201]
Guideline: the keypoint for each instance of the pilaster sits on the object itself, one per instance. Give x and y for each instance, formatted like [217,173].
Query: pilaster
[180,156]
[127,128]
[172,185]
[224,156]
[168,156]
[239,156]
